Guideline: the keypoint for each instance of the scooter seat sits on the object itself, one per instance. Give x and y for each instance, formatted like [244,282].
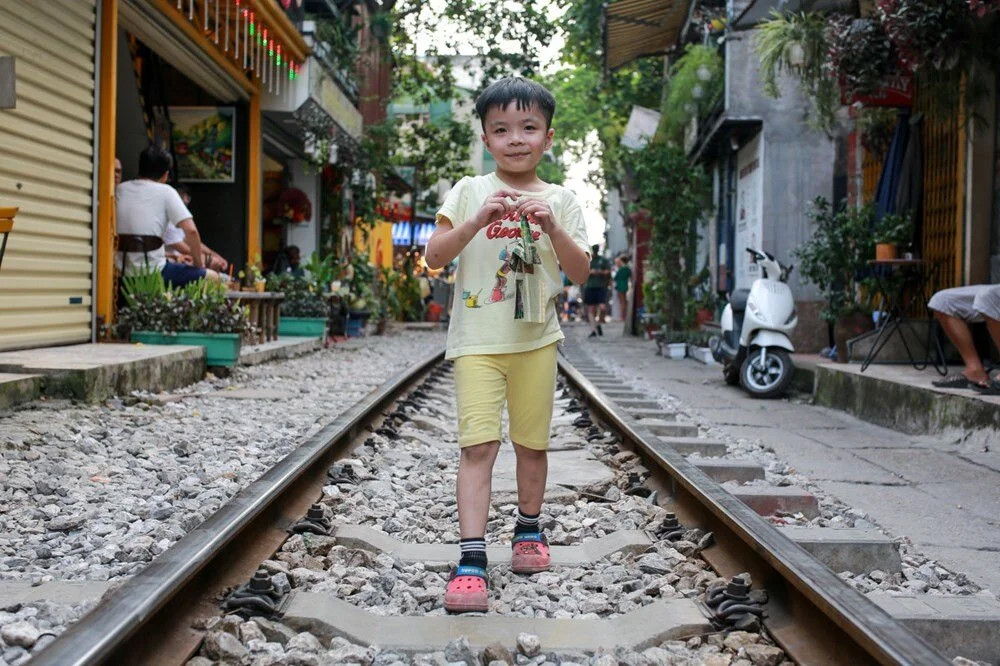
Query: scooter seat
[738,300]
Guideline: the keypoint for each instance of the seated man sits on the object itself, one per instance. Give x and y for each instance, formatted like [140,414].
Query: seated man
[147,206]
[955,309]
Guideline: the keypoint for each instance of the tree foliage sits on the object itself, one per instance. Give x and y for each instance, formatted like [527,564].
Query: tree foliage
[672,194]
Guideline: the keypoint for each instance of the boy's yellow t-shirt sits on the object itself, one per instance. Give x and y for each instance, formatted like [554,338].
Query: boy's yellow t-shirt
[482,317]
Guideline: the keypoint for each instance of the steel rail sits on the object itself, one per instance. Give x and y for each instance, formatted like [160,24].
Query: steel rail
[814,615]
[134,623]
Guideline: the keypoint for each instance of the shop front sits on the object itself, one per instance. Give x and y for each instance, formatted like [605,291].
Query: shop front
[47,171]
[191,77]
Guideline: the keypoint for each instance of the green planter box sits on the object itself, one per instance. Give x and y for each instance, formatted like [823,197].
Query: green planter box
[304,327]
[220,348]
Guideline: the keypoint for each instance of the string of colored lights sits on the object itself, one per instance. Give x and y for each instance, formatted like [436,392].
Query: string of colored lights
[261,55]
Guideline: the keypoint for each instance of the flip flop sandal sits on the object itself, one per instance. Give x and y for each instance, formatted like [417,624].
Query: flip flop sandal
[990,388]
[466,591]
[954,382]
[531,553]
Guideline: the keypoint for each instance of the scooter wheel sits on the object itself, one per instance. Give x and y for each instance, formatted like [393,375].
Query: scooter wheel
[767,379]
[731,374]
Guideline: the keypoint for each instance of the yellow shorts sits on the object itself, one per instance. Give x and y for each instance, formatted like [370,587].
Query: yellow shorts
[525,380]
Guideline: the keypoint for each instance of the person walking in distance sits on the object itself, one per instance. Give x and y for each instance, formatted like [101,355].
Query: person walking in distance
[622,276]
[595,291]
[511,225]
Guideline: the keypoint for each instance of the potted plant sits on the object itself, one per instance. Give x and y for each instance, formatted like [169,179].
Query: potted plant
[197,314]
[675,344]
[304,310]
[359,278]
[892,232]
[836,259]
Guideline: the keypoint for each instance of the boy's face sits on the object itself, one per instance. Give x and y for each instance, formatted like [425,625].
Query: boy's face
[517,138]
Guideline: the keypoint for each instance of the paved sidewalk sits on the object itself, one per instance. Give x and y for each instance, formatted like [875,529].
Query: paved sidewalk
[944,494]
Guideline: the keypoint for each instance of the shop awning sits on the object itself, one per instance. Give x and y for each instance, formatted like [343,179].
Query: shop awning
[634,28]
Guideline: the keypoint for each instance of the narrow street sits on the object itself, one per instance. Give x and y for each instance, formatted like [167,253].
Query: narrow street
[941,494]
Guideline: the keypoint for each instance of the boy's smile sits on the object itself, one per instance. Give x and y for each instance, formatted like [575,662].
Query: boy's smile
[517,138]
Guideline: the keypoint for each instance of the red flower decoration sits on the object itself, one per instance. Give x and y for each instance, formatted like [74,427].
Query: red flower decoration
[295,205]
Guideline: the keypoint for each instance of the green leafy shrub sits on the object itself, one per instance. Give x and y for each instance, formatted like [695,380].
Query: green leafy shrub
[303,297]
[836,258]
[199,307]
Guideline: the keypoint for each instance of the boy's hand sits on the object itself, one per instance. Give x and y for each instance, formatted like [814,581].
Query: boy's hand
[537,211]
[497,206]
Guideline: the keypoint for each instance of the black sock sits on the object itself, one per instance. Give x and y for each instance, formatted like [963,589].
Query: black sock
[473,552]
[526,523]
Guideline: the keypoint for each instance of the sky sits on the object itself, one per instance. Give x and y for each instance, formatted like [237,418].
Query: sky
[449,40]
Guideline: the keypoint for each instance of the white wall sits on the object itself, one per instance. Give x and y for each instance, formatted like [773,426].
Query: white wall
[306,234]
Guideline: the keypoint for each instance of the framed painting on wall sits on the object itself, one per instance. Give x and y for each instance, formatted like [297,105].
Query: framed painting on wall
[204,139]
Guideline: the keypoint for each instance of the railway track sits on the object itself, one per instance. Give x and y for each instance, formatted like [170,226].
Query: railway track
[161,615]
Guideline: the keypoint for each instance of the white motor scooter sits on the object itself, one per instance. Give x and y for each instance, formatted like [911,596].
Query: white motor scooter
[754,346]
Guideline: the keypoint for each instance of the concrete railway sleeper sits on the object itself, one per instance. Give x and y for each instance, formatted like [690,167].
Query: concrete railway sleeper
[347,543]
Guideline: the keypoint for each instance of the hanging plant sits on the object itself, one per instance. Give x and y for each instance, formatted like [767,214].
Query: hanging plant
[696,86]
[798,42]
[861,56]
[983,7]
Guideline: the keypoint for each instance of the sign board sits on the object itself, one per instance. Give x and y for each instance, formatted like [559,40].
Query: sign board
[640,128]
[749,210]
[8,98]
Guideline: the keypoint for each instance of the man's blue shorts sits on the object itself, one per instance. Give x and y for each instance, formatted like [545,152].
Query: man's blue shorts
[179,274]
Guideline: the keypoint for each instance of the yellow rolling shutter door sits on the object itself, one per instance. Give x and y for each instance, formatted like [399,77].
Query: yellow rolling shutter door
[47,170]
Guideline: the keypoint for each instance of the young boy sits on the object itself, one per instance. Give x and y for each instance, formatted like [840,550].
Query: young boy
[503,339]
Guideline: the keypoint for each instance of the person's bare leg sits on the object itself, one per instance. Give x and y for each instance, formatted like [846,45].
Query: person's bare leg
[473,488]
[993,326]
[532,470]
[958,332]
[622,304]
[592,317]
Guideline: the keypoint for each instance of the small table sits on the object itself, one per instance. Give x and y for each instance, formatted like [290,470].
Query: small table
[915,273]
[265,309]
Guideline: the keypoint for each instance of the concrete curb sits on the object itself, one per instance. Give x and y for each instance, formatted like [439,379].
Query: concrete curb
[904,407]
[327,617]
[16,389]
[281,348]
[366,538]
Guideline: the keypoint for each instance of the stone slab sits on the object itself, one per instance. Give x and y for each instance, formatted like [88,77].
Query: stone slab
[249,394]
[586,553]
[674,430]
[740,471]
[966,626]
[848,549]
[708,448]
[284,347]
[633,404]
[16,388]
[56,591]
[95,372]
[768,500]
[623,394]
[327,617]
[647,414]
[568,468]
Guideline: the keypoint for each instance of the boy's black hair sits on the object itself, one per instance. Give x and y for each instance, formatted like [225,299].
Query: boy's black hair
[154,162]
[526,93]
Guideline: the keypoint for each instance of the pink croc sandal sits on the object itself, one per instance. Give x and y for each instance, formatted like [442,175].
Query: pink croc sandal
[466,592]
[531,553]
